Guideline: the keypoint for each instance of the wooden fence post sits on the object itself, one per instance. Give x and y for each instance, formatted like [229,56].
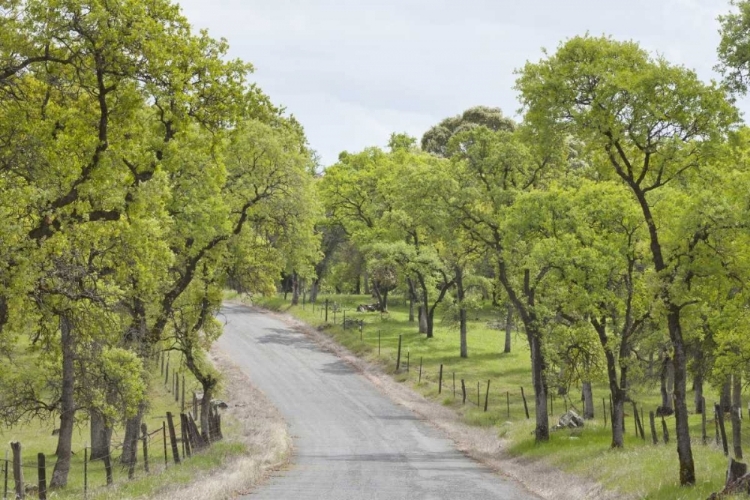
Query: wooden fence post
[41,468]
[185,427]
[407,361]
[463,391]
[704,436]
[5,473]
[183,393]
[144,431]
[85,470]
[398,355]
[108,468]
[525,406]
[720,415]
[653,427]
[440,379]
[379,343]
[164,440]
[173,438]
[162,363]
[17,469]
[326,310]
[487,396]
[166,373]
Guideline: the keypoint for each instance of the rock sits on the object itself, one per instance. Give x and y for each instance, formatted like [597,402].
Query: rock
[570,420]
[664,411]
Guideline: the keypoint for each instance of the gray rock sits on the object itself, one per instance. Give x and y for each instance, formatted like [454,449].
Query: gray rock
[570,420]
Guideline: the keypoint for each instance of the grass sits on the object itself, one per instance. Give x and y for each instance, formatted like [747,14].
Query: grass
[641,469]
[36,437]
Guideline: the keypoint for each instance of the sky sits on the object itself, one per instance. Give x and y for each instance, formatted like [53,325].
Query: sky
[352,72]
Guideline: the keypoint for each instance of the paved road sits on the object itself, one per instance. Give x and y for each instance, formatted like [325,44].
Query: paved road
[351,441]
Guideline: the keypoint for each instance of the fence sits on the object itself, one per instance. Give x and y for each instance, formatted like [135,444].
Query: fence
[514,404]
[175,441]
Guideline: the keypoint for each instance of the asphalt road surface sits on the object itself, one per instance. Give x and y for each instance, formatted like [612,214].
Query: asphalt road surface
[351,442]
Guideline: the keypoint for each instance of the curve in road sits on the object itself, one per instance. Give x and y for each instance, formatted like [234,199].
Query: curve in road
[351,441]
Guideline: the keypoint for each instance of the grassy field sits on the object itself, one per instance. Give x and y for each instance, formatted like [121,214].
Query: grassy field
[641,469]
[37,438]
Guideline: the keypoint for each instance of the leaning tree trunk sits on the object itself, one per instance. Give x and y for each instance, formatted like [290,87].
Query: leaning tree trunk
[588,401]
[101,436]
[67,405]
[508,328]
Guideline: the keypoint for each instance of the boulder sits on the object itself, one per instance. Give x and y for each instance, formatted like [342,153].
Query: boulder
[570,420]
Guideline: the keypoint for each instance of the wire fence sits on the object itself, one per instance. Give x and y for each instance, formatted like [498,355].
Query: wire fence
[150,451]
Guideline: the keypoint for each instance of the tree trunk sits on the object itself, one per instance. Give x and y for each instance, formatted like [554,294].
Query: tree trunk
[314,290]
[461,294]
[130,441]
[726,395]
[698,387]
[358,286]
[367,282]
[588,401]
[666,397]
[737,390]
[430,322]
[684,449]
[508,328]
[422,319]
[541,432]
[208,389]
[101,436]
[295,289]
[411,310]
[67,405]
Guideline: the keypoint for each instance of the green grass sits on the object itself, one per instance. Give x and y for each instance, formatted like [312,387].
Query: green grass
[36,437]
[641,468]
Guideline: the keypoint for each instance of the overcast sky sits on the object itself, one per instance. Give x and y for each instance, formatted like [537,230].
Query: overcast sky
[354,71]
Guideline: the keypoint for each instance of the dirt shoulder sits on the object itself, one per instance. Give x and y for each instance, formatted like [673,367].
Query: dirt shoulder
[481,444]
[256,423]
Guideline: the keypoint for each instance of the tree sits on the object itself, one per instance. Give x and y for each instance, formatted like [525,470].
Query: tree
[436,139]
[649,124]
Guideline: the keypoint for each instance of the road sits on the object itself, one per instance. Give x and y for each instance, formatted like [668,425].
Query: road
[351,442]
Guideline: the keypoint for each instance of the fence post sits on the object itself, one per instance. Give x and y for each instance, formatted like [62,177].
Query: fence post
[166,373]
[653,427]
[704,436]
[164,440]
[162,363]
[173,438]
[720,416]
[378,343]
[144,431]
[195,405]
[398,355]
[5,473]
[183,393]
[525,406]
[17,470]
[344,323]
[487,396]
[463,390]
[185,428]
[86,470]
[326,310]
[176,387]
[407,361]
[41,467]
[440,380]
